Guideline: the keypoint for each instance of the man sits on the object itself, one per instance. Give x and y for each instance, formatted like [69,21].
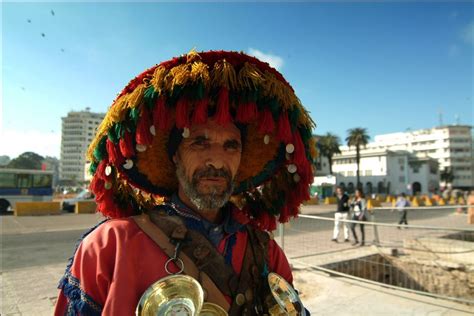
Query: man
[194,163]
[401,205]
[342,213]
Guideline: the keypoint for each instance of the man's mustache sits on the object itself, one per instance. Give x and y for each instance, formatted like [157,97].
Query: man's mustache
[211,172]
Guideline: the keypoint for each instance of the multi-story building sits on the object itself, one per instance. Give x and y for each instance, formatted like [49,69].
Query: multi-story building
[450,145]
[386,172]
[78,130]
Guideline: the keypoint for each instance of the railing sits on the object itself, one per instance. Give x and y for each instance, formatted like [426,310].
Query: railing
[435,257]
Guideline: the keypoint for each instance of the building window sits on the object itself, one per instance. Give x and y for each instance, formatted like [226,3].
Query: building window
[401,179]
[368,172]
[350,173]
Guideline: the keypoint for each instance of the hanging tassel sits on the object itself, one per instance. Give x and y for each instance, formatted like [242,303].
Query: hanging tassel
[126,145]
[266,122]
[182,115]
[223,115]
[247,112]
[161,114]
[143,135]
[299,156]
[284,129]
[200,111]
[284,214]
[115,157]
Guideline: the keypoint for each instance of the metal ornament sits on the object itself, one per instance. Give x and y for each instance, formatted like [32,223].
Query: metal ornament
[172,295]
[288,301]
[153,130]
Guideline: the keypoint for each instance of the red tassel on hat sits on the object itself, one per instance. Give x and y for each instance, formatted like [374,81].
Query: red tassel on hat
[284,214]
[267,124]
[246,112]
[143,135]
[222,114]
[284,129]
[200,111]
[182,114]
[126,145]
[160,116]
[115,157]
[299,156]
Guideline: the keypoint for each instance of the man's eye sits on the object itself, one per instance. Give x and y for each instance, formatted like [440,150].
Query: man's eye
[232,145]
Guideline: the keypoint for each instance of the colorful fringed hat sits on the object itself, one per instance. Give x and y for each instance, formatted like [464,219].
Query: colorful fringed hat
[129,157]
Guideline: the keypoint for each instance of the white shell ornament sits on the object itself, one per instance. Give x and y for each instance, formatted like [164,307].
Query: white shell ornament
[292,168]
[153,130]
[128,164]
[296,177]
[266,139]
[290,148]
[108,170]
[141,148]
[186,132]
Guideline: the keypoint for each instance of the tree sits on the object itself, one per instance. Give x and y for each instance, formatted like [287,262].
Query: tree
[27,160]
[447,176]
[328,147]
[357,137]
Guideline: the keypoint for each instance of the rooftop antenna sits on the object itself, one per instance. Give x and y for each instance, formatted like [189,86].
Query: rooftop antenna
[440,117]
[456,119]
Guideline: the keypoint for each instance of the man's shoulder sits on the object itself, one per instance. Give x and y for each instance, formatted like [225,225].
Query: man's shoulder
[112,228]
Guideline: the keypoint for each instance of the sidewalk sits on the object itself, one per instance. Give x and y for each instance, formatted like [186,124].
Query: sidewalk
[32,290]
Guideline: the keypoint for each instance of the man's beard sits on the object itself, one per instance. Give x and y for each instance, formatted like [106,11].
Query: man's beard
[205,201]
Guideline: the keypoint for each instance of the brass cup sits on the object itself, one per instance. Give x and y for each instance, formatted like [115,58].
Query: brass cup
[210,309]
[172,295]
[288,300]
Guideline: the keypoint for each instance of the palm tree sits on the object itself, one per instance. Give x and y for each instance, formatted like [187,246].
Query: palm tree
[328,147]
[357,137]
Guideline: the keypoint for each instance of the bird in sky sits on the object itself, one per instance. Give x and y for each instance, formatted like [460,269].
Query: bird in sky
[52,12]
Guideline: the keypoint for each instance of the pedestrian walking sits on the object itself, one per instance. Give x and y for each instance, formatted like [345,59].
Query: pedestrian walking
[341,215]
[359,213]
[401,205]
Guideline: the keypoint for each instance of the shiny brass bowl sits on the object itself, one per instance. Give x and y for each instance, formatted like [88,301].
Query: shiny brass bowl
[286,297]
[179,295]
[210,309]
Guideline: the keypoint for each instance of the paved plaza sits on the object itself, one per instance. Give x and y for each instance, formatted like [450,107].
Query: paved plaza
[35,250]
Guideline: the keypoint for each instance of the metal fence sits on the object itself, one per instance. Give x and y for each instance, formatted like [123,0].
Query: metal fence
[434,256]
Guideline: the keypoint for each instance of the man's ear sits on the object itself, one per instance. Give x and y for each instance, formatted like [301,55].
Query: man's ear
[175,159]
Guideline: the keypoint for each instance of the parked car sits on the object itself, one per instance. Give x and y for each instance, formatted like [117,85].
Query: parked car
[69,205]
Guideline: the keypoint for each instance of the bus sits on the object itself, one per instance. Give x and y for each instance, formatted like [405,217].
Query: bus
[24,185]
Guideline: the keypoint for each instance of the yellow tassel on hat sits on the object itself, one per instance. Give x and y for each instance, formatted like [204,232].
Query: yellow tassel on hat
[158,79]
[250,77]
[223,75]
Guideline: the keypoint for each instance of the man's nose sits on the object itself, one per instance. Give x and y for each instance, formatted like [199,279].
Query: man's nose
[215,157]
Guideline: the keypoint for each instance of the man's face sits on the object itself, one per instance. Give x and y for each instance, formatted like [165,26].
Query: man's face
[339,191]
[207,162]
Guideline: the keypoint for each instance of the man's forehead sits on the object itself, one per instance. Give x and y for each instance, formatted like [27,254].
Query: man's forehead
[213,128]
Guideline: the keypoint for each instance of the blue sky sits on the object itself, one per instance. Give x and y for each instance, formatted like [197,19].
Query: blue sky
[387,67]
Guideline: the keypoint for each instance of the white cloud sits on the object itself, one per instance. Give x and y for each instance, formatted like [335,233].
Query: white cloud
[468,33]
[274,60]
[15,142]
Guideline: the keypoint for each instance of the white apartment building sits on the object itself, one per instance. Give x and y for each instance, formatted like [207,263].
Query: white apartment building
[78,129]
[386,172]
[450,145]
